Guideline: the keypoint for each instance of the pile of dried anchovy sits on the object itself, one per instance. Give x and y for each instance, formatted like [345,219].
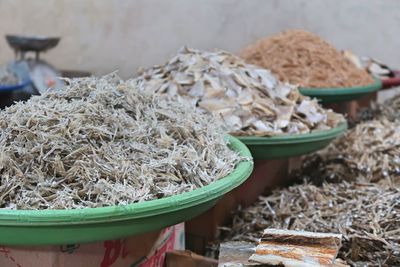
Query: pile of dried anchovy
[101,142]
[249,99]
[369,152]
[367,216]
[7,77]
[304,59]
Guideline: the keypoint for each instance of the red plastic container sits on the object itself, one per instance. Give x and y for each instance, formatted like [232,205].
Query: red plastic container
[392,82]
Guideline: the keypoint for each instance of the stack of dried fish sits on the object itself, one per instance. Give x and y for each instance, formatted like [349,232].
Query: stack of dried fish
[302,58]
[367,216]
[370,152]
[287,248]
[250,100]
[101,142]
[297,248]
[7,77]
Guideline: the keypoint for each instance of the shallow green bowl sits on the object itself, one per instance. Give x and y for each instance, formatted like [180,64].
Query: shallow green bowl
[291,145]
[336,95]
[50,227]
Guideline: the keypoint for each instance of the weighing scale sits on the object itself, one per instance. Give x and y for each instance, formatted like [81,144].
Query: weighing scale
[42,74]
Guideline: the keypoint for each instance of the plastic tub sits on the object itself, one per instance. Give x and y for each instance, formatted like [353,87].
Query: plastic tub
[15,87]
[291,145]
[335,95]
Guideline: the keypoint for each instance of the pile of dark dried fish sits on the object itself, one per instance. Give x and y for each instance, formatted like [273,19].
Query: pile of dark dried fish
[389,109]
[101,142]
[367,215]
[369,152]
[249,99]
[7,77]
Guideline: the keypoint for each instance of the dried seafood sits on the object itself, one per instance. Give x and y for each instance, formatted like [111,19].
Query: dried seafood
[236,254]
[302,58]
[7,77]
[367,215]
[370,152]
[292,248]
[287,248]
[248,99]
[372,66]
[389,109]
[101,142]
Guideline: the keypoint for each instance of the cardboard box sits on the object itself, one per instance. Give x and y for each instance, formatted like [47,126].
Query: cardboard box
[146,250]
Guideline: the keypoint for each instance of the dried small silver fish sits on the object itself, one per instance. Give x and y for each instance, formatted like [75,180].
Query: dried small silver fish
[249,99]
[100,142]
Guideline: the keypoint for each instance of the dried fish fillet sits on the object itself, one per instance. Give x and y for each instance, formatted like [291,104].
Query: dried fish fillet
[101,142]
[250,100]
[280,252]
[302,58]
[292,248]
[367,215]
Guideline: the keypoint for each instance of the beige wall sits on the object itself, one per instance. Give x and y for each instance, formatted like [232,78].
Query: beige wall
[103,35]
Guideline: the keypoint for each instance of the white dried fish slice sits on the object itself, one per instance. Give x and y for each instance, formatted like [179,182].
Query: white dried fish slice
[265,110]
[309,109]
[263,127]
[245,97]
[266,77]
[283,90]
[182,78]
[284,115]
[214,105]
[233,121]
[197,90]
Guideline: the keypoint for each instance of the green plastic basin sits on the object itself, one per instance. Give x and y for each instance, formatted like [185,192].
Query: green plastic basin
[291,145]
[336,95]
[51,227]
